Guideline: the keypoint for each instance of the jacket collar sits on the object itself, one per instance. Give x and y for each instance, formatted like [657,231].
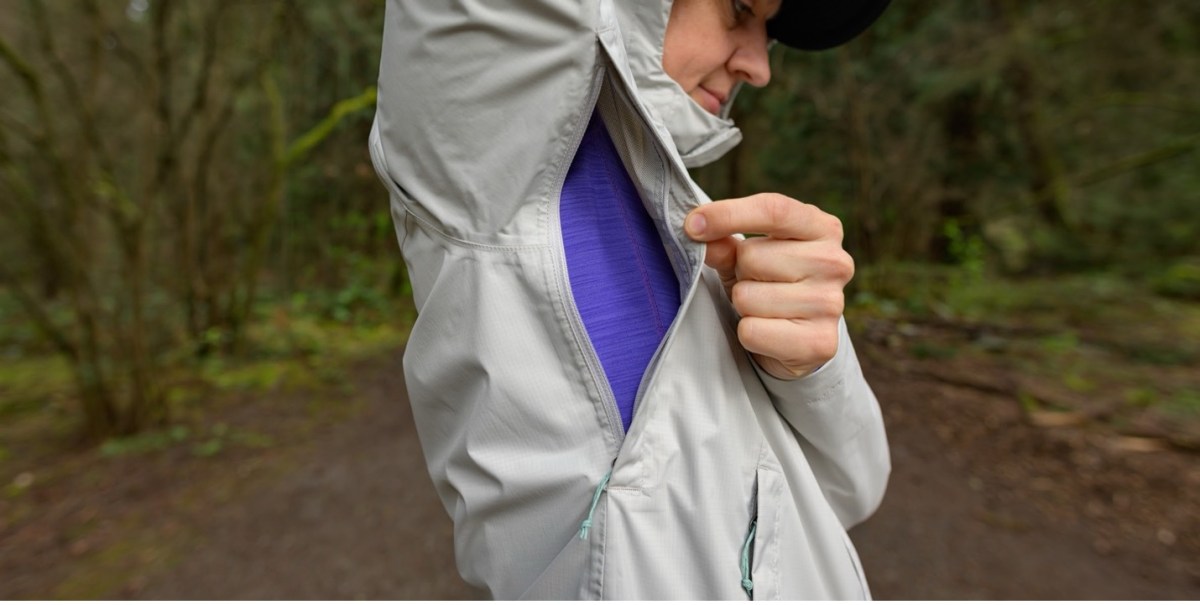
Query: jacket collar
[700,137]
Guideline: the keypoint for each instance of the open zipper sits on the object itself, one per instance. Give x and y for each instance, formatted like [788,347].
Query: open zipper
[607,76]
[683,265]
[599,378]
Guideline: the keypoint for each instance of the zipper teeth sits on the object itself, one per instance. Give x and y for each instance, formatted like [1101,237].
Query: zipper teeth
[693,272]
[576,320]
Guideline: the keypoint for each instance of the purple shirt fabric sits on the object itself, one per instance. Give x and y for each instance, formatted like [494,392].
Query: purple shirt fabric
[621,279]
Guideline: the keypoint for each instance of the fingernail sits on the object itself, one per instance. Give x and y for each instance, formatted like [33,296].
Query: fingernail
[695,224]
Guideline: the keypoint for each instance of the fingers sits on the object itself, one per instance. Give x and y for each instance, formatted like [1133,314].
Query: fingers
[770,214]
[787,301]
[787,286]
[774,343]
[775,260]
[722,255]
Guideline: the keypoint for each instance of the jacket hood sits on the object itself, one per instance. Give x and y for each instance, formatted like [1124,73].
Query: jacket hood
[700,137]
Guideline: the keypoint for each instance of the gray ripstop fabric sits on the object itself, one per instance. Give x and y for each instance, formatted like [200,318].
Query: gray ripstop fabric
[481,106]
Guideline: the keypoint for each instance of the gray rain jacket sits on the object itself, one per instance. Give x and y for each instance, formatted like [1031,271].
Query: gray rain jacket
[729,482]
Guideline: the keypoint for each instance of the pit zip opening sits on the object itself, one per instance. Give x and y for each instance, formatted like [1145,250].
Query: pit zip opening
[599,378]
[692,271]
[656,359]
[604,72]
[622,102]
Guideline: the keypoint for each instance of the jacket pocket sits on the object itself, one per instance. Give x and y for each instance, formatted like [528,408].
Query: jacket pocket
[760,549]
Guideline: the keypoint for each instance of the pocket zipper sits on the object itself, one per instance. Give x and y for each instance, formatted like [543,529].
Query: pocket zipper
[747,550]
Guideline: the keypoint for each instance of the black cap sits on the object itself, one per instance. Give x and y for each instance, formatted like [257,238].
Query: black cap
[822,24]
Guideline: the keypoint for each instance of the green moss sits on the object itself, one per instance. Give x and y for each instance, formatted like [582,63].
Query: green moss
[1078,383]
[1141,396]
[252,376]
[1028,402]
[204,443]
[1184,404]
[1180,280]
[1159,353]
[104,573]
[928,350]
[208,448]
[1060,344]
[29,384]
[252,439]
[150,441]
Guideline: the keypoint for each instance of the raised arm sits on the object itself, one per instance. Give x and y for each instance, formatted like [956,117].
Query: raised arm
[474,96]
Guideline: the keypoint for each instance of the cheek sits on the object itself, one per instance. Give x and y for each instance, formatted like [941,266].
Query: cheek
[689,63]
[673,60]
[697,41]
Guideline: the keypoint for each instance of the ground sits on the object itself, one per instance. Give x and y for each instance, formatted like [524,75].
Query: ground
[331,501]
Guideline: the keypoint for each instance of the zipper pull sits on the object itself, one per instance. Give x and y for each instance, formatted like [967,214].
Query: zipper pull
[747,583]
[587,523]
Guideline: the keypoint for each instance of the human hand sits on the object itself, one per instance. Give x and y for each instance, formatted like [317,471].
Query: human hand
[787,286]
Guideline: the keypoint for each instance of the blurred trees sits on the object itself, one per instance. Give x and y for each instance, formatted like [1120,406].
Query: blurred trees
[1059,135]
[144,161]
[167,165]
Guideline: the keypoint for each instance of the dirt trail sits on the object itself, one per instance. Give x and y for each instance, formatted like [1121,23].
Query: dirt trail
[982,506]
[1006,515]
[357,520]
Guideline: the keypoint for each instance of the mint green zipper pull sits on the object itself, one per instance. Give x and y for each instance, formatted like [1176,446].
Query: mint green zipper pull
[747,583]
[587,523]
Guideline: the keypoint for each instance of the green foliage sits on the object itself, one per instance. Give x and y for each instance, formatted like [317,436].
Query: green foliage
[1028,402]
[1160,354]
[1184,404]
[203,443]
[1078,382]
[1063,136]
[252,376]
[957,141]
[341,110]
[1180,280]
[1060,344]
[29,384]
[156,250]
[1141,397]
[966,251]
[214,444]
[150,441]
[928,350]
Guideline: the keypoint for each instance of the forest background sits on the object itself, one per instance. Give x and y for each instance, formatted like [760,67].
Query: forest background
[190,216]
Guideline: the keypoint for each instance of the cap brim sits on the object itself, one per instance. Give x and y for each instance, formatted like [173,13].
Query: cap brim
[822,24]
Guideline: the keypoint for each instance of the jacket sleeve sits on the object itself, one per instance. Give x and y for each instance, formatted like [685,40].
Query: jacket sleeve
[475,99]
[837,420]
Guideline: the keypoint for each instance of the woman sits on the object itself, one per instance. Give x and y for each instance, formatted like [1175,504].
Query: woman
[599,419]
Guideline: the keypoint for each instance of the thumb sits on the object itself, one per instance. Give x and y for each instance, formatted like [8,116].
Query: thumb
[721,255]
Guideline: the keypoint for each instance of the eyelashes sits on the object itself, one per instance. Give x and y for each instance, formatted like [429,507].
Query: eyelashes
[741,11]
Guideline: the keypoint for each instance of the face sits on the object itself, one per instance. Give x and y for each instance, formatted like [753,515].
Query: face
[711,45]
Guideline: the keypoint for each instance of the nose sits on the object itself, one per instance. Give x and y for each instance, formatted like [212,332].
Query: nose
[751,61]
